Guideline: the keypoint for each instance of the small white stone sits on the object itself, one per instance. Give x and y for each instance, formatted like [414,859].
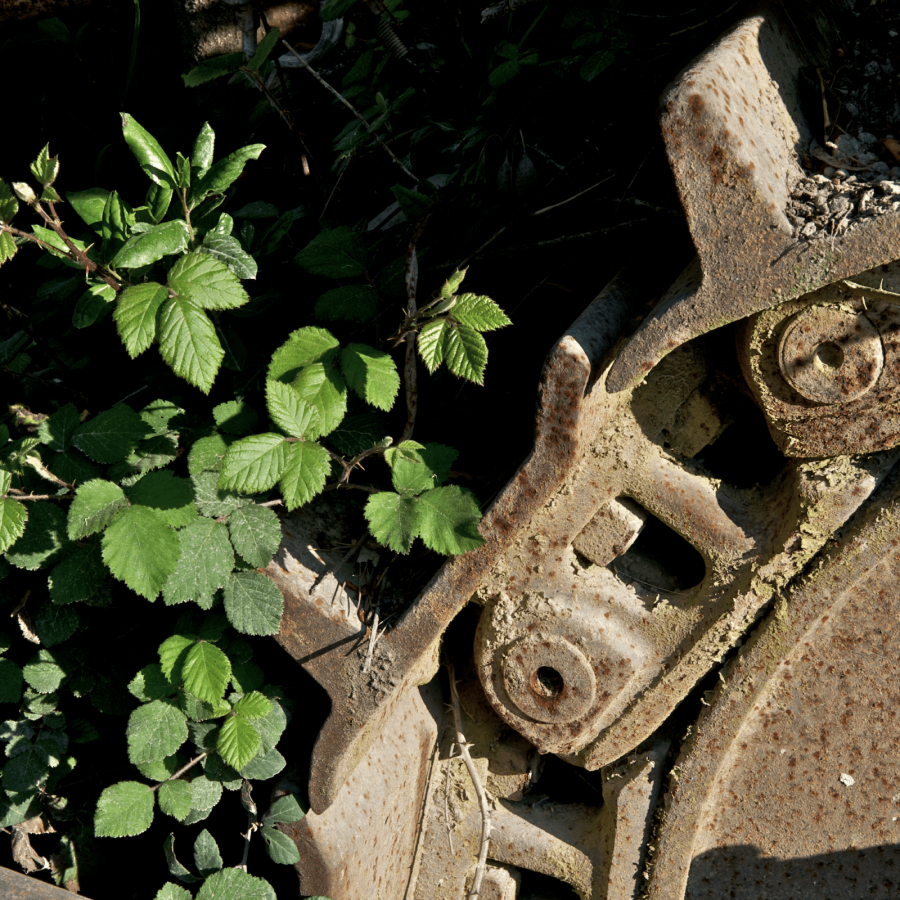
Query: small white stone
[827,172]
[848,780]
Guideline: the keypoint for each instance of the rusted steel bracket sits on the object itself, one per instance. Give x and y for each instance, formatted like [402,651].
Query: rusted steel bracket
[733,127]
[792,774]
[407,655]
[14,886]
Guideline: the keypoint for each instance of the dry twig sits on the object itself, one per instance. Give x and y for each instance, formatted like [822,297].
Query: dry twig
[476,783]
[352,109]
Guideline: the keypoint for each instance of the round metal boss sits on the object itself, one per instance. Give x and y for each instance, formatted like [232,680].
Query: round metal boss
[548,678]
[830,355]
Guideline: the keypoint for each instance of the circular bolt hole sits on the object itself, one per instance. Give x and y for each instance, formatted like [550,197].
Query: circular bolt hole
[829,357]
[547,683]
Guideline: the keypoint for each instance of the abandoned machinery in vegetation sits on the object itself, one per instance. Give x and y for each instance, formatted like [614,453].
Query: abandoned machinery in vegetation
[640,552]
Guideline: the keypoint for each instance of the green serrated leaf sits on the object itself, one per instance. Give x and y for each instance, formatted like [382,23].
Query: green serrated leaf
[135,315]
[325,389]
[465,353]
[171,496]
[209,69]
[93,305]
[56,431]
[161,769]
[150,684]
[295,417]
[140,549]
[392,520]
[285,809]
[264,766]
[246,676]
[235,884]
[208,454]
[78,576]
[124,810]
[207,281]
[255,463]
[417,470]
[146,149]
[88,204]
[253,706]
[175,798]
[448,520]
[43,674]
[304,347]
[480,313]
[358,433]
[173,891]
[229,251]
[13,517]
[238,742]
[206,672]
[235,417]
[307,467]
[95,505]
[111,436]
[157,202]
[431,343]
[8,246]
[205,563]
[172,654]
[255,533]
[149,246]
[188,342]
[114,225]
[204,144]
[155,730]
[175,867]
[372,374]
[205,793]
[44,540]
[54,624]
[356,302]
[334,253]
[207,858]
[211,500]
[223,173]
[253,603]
[280,847]
[163,416]
[46,167]
[9,205]
[11,680]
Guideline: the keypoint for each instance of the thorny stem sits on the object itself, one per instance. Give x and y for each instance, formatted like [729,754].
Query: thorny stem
[181,771]
[352,109]
[476,783]
[20,496]
[409,364]
[187,213]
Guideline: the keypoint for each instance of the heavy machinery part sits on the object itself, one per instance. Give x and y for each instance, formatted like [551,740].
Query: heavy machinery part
[733,125]
[787,786]
[584,663]
[406,656]
[825,369]
[14,886]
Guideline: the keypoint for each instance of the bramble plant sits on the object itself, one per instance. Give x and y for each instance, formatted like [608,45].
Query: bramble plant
[84,497]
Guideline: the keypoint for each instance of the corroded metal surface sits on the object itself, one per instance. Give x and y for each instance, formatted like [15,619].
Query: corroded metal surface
[407,655]
[855,406]
[14,886]
[788,786]
[733,126]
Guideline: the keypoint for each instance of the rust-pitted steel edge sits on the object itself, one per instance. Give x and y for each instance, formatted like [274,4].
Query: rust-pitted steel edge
[733,125]
[14,886]
[765,682]
[407,655]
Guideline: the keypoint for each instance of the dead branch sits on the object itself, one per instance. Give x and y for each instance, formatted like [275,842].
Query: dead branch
[476,783]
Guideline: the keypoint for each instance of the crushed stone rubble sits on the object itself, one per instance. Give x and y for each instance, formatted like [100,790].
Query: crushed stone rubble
[853,185]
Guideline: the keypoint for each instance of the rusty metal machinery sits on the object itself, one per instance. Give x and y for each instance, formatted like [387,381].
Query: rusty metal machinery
[779,594]
[783,596]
